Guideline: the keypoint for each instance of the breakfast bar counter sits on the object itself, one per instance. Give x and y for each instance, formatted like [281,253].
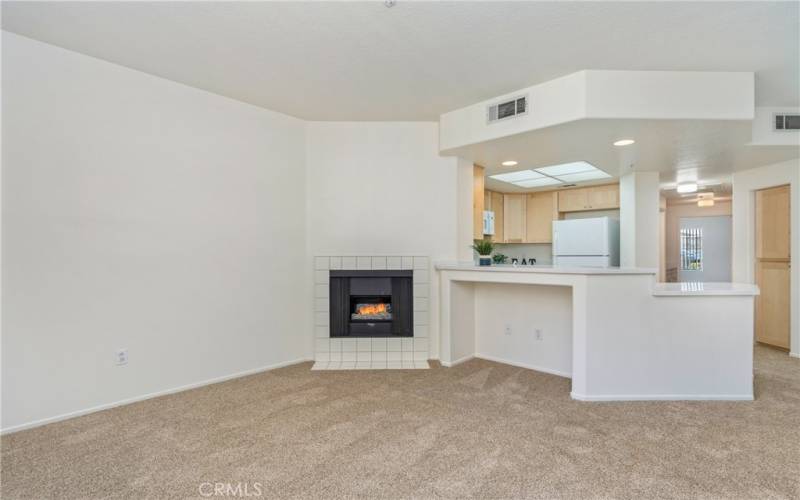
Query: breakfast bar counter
[631,338]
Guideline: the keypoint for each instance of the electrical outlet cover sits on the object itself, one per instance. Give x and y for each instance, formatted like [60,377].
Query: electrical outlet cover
[122,357]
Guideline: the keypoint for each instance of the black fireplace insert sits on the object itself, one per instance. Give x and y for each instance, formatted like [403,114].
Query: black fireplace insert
[371,304]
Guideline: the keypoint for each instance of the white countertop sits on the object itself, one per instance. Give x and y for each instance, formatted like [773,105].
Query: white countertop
[685,289]
[495,268]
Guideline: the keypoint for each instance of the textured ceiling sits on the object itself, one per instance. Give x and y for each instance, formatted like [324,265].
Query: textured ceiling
[363,61]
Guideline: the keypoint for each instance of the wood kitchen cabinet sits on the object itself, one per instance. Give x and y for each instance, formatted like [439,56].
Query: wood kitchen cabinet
[499,217]
[540,211]
[514,217]
[573,200]
[477,202]
[604,197]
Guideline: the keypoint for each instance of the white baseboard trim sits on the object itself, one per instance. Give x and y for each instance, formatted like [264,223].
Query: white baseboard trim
[122,402]
[525,365]
[456,362]
[663,397]
[794,354]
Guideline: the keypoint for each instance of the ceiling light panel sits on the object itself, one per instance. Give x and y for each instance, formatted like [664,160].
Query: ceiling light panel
[567,168]
[585,176]
[520,175]
[543,181]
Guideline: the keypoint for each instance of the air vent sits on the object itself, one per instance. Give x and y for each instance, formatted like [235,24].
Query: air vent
[507,109]
[787,122]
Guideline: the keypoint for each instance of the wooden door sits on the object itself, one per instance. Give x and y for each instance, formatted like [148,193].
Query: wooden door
[603,197]
[772,268]
[541,209]
[772,223]
[514,218]
[477,202]
[497,206]
[573,200]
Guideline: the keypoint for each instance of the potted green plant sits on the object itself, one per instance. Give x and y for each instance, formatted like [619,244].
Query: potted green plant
[484,249]
[499,258]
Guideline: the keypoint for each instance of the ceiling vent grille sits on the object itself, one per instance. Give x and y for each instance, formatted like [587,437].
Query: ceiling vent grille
[786,121]
[507,109]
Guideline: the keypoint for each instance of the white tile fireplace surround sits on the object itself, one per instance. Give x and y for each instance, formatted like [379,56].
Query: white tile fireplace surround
[371,353]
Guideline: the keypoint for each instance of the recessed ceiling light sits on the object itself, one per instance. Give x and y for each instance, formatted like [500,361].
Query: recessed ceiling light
[520,175]
[689,187]
[624,142]
[544,181]
[567,168]
[509,163]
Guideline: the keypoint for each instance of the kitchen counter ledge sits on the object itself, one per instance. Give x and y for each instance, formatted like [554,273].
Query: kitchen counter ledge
[497,268]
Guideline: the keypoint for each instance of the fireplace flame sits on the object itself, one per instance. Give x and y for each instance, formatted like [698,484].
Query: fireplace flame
[371,309]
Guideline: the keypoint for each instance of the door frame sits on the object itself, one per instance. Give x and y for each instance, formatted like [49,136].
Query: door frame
[745,184]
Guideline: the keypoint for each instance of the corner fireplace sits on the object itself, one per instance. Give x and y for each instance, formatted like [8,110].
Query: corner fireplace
[371,304]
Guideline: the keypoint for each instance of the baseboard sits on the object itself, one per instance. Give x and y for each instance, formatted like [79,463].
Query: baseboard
[122,402]
[549,371]
[794,354]
[664,397]
[456,362]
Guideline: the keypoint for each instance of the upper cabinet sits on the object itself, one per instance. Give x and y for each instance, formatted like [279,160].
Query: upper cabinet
[605,197]
[514,217]
[477,202]
[541,209]
[573,200]
[528,217]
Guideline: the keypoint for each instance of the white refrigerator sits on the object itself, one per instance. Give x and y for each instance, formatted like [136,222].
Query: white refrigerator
[586,242]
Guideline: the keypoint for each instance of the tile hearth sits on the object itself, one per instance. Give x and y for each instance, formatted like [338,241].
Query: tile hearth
[371,353]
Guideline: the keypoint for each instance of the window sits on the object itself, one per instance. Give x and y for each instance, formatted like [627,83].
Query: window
[692,249]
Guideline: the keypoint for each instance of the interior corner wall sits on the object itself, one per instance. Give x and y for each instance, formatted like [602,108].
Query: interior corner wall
[381,188]
[639,220]
[140,214]
[745,183]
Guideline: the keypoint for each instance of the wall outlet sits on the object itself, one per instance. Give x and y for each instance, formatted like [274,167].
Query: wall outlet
[508,330]
[122,357]
[537,334]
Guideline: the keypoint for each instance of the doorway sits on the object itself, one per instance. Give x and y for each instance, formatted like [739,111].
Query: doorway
[705,249]
[772,266]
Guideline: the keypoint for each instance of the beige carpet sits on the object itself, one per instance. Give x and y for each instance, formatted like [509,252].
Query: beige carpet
[480,430]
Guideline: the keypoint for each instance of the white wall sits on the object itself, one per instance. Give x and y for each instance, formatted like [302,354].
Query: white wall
[745,184]
[377,188]
[701,95]
[143,214]
[525,308]
[716,243]
[764,122]
[639,220]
